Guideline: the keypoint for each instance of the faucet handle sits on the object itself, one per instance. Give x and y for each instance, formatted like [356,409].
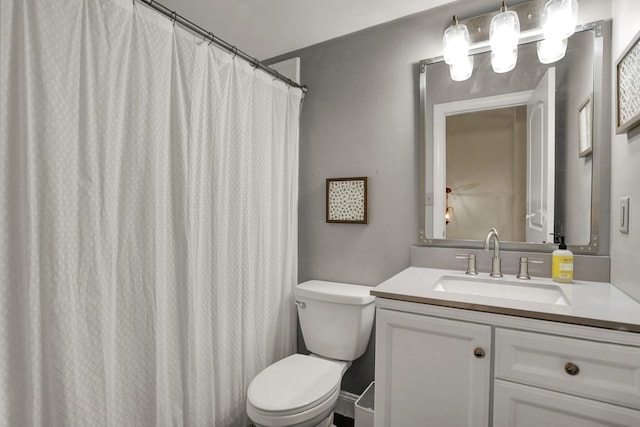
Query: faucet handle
[523,271]
[471,263]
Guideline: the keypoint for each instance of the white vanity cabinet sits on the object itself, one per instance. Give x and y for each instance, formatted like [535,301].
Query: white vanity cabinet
[533,373]
[431,371]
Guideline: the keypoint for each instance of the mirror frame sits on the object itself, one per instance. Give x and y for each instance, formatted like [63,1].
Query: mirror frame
[601,173]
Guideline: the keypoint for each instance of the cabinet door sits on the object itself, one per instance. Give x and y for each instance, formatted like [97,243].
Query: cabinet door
[427,372]
[517,405]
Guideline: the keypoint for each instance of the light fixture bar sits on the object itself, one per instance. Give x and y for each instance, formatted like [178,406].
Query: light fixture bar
[529,13]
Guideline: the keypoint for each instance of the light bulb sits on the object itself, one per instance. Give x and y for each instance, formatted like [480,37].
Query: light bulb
[462,70]
[504,60]
[559,19]
[455,43]
[504,32]
[550,50]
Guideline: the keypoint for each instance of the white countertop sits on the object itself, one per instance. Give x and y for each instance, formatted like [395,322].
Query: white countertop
[590,303]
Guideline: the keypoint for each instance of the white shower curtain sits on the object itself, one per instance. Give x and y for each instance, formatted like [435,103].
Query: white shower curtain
[148,219]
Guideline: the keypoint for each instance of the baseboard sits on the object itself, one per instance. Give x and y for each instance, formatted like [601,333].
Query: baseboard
[346,403]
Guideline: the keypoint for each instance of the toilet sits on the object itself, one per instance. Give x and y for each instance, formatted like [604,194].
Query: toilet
[302,390]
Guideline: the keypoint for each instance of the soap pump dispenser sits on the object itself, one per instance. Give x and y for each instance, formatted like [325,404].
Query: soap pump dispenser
[562,263]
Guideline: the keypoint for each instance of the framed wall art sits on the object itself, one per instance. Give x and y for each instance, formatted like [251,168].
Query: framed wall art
[585,127]
[347,200]
[628,87]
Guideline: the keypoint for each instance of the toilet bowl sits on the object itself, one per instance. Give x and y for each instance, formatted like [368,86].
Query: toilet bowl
[302,390]
[299,391]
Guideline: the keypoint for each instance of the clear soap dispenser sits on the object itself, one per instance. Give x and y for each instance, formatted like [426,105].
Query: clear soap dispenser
[562,263]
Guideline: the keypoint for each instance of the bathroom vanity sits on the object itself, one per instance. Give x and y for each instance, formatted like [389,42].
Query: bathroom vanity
[460,350]
[457,350]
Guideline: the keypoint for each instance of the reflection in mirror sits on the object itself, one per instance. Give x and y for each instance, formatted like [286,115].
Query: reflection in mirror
[525,211]
[476,143]
[506,145]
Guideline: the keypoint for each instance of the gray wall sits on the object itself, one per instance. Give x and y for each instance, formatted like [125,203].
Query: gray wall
[360,118]
[625,159]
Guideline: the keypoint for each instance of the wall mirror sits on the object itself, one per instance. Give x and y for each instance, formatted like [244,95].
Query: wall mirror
[479,171]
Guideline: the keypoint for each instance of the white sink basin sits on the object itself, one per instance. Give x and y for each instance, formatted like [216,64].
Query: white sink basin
[504,289]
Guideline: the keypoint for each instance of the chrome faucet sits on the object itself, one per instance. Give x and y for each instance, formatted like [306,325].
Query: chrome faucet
[496,270]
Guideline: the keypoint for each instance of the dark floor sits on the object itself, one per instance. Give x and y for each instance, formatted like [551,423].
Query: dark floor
[341,421]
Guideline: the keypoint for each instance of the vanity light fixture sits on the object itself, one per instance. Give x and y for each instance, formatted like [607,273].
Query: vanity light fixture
[504,35]
[462,71]
[556,22]
[455,44]
[559,20]
[550,50]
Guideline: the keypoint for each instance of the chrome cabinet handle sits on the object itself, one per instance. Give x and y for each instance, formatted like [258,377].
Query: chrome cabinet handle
[301,304]
[479,352]
[571,369]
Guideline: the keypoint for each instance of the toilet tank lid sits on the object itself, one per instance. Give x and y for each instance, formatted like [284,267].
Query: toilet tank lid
[341,293]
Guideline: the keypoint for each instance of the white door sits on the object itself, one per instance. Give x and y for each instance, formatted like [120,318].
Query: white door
[427,372]
[541,160]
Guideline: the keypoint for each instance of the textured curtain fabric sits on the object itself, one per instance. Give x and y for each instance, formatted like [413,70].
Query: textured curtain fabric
[148,219]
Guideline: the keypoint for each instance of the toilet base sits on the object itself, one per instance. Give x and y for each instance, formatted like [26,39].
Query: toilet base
[321,420]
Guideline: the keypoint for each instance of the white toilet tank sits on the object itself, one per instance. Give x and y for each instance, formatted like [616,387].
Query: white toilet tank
[335,318]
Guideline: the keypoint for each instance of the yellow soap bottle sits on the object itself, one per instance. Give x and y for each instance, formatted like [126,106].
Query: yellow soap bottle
[562,263]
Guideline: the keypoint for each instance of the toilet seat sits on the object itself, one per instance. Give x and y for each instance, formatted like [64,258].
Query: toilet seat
[294,389]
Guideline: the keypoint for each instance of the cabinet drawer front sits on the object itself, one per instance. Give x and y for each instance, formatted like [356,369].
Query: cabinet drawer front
[517,405]
[606,372]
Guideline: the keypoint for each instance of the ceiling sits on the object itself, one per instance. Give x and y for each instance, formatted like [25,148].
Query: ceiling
[267,28]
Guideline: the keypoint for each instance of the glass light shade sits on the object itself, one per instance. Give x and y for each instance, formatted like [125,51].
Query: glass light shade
[559,19]
[505,60]
[462,70]
[550,50]
[455,44]
[504,32]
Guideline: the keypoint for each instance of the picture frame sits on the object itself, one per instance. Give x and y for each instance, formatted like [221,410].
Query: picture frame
[585,127]
[346,201]
[628,87]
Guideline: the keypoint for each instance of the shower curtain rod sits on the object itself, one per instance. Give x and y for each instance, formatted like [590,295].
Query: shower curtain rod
[255,62]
